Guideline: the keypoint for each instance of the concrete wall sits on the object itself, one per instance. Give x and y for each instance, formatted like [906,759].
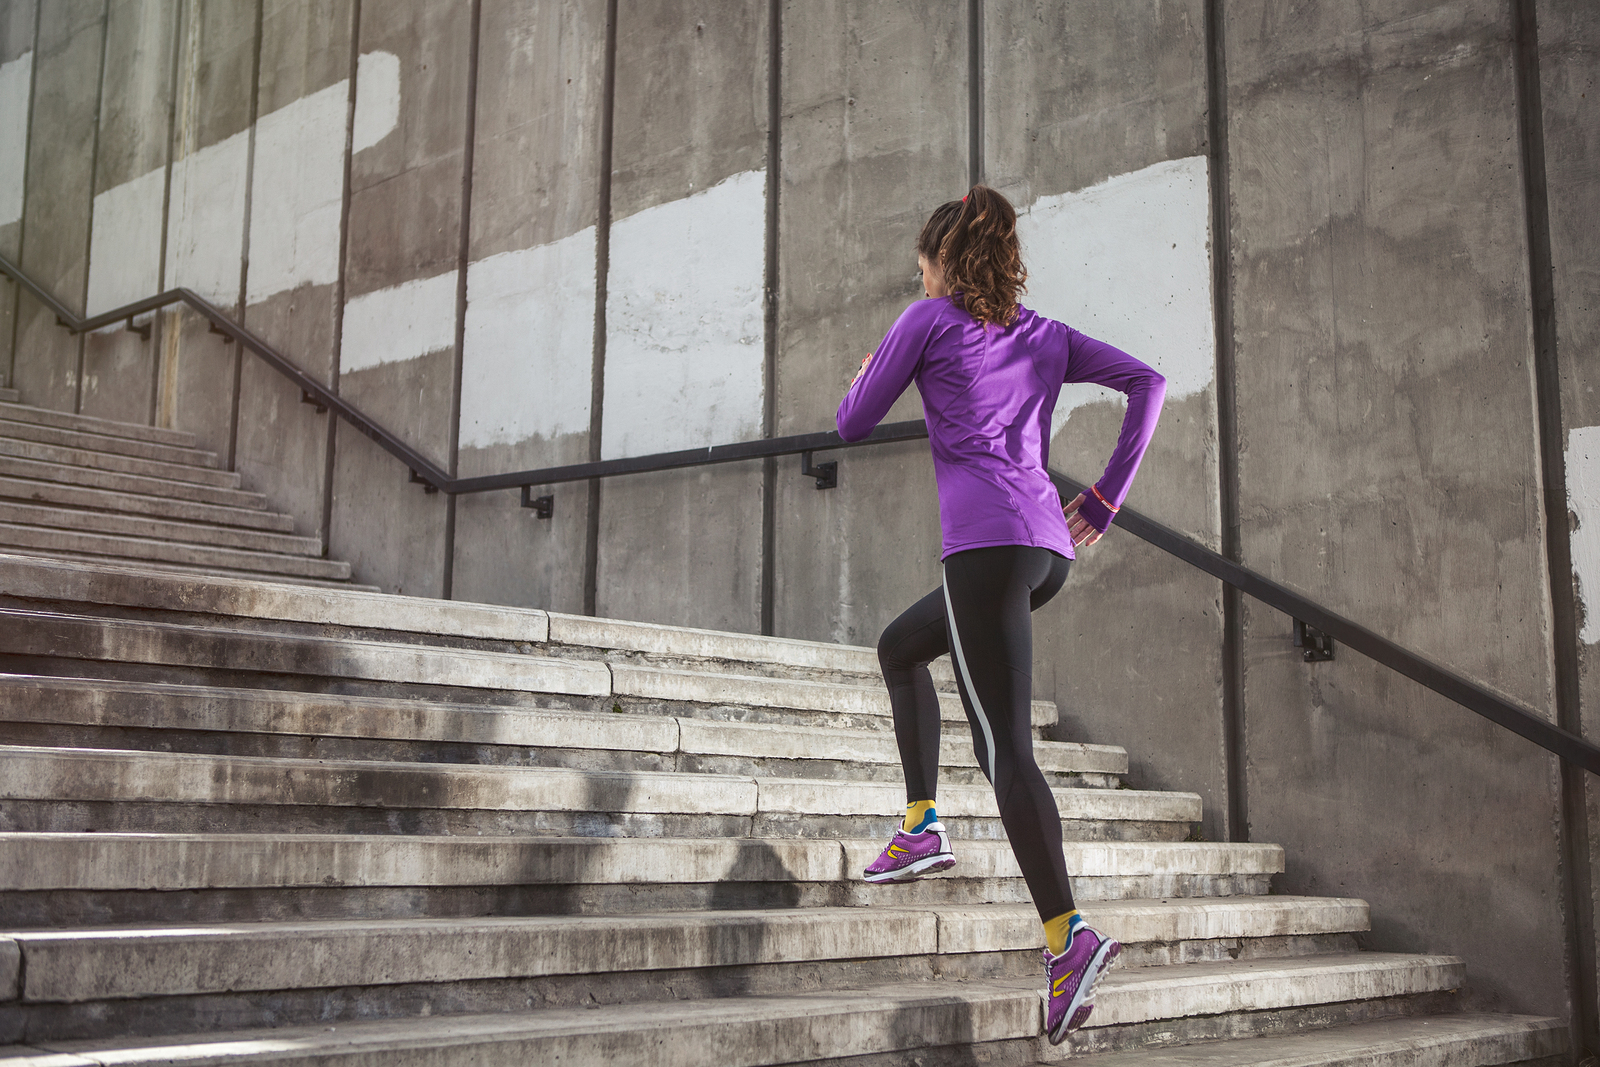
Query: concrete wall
[493,277]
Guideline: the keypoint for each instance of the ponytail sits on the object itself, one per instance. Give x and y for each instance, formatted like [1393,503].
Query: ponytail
[974,241]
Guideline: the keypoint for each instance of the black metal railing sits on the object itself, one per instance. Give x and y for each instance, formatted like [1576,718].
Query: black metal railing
[1314,624]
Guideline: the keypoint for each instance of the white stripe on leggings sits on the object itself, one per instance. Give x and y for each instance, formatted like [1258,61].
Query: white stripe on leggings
[961,662]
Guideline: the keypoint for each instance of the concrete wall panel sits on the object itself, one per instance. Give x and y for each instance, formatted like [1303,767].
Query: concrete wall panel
[17,19]
[685,343]
[397,355]
[874,138]
[129,203]
[60,181]
[527,355]
[295,223]
[1389,467]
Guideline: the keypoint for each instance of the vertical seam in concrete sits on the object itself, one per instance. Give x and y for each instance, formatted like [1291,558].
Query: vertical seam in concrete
[22,223]
[974,92]
[602,266]
[331,446]
[1575,856]
[1233,734]
[94,178]
[769,397]
[158,321]
[244,259]
[463,257]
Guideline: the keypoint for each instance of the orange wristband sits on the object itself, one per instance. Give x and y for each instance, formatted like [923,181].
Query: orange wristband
[1113,508]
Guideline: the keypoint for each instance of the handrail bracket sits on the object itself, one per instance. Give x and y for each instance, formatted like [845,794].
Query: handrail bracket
[826,474]
[1317,645]
[543,506]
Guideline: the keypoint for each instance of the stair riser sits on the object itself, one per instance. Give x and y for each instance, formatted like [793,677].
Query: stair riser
[342,748]
[101,522]
[132,816]
[118,464]
[122,446]
[67,420]
[334,1002]
[53,493]
[50,539]
[60,908]
[117,482]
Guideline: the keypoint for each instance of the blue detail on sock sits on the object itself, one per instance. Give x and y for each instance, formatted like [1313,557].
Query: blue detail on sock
[929,817]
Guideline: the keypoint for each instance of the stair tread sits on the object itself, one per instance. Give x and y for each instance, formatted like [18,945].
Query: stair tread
[805,1024]
[121,482]
[54,773]
[18,429]
[37,861]
[127,503]
[166,550]
[183,570]
[110,427]
[1406,1042]
[204,534]
[117,462]
[166,960]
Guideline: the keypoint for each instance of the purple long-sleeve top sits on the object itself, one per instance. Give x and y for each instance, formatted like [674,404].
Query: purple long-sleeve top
[987,396]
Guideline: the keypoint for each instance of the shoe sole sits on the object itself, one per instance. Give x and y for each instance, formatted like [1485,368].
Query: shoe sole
[1077,1012]
[912,871]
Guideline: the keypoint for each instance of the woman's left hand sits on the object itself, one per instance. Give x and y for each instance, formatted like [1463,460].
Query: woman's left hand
[1083,534]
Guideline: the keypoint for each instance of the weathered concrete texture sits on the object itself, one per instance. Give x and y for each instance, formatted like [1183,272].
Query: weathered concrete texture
[874,137]
[282,442]
[17,18]
[534,183]
[691,103]
[135,136]
[1389,468]
[404,227]
[1131,650]
[60,179]
[1569,61]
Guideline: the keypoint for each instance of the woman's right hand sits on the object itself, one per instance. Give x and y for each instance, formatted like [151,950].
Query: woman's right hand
[1083,533]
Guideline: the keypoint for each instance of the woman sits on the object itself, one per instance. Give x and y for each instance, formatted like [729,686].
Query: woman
[989,371]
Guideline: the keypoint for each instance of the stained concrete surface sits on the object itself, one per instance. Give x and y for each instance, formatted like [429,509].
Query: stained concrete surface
[17,20]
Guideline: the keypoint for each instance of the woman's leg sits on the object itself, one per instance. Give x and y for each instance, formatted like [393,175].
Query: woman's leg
[989,595]
[906,648]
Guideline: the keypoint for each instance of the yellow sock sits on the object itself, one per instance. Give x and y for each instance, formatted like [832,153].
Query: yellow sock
[918,814]
[1058,931]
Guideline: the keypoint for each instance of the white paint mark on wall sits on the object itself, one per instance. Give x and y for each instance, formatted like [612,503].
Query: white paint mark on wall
[125,243]
[399,323]
[527,354]
[377,98]
[1583,498]
[1127,261]
[684,324]
[16,82]
[205,229]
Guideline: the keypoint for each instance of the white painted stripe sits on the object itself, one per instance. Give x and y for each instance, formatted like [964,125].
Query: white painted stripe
[966,675]
[1583,498]
[399,323]
[377,99]
[205,219]
[125,243]
[16,82]
[1128,261]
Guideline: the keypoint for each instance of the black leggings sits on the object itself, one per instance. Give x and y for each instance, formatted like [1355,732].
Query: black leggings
[981,616]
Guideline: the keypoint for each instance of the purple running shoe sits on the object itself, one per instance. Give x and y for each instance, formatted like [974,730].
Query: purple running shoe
[910,856]
[1072,977]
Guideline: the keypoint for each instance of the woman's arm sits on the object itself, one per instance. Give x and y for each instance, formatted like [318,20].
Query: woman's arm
[1096,362]
[887,372]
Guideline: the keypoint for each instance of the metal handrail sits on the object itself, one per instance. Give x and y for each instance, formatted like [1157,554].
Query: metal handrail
[1492,706]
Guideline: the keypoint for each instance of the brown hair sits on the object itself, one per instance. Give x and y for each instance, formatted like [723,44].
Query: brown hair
[974,241]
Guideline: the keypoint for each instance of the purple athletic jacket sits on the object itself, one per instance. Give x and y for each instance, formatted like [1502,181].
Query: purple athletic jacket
[988,395]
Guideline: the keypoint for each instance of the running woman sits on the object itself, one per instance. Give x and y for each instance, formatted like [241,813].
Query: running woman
[989,372]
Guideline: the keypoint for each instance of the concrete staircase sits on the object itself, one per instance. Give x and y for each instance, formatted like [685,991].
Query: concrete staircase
[246,822]
[75,486]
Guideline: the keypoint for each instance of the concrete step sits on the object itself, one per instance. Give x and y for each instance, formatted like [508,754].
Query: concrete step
[637,643]
[76,496]
[67,789]
[123,980]
[17,412]
[811,1027]
[158,550]
[52,880]
[186,570]
[9,396]
[100,442]
[117,463]
[1429,1041]
[121,482]
[122,525]
[109,713]
[648,689]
